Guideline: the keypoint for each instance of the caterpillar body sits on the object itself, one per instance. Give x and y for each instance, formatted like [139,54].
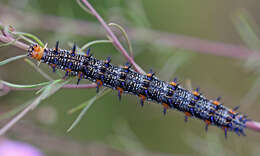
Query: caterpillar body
[145,86]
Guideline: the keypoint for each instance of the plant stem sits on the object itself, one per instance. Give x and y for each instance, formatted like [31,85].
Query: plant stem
[18,44]
[253,125]
[114,39]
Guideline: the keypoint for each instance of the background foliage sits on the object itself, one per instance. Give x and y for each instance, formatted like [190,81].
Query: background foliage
[124,127]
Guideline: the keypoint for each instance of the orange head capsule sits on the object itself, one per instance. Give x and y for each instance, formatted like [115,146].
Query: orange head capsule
[36,52]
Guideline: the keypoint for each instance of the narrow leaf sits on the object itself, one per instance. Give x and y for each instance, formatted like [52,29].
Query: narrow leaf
[87,105]
[24,86]
[83,7]
[38,69]
[12,59]
[92,43]
[31,36]
[122,30]
[53,87]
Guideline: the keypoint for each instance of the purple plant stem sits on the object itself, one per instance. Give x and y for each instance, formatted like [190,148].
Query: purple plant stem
[6,88]
[194,44]
[114,39]
[67,86]
[6,127]
[18,44]
[80,86]
[253,125]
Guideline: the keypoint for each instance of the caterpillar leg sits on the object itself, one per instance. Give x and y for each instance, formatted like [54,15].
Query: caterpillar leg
[142,99]
[99,84]
[120,92]
[225,131]
[165,107]
[79,77]
[187,114]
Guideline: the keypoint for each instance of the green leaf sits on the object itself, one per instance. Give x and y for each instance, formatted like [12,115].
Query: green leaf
[12,59]
[51,89]
[86,106]
[83,7]
[122,30]
[92,43]
[25,86]
[245,26]
[38,69]
[31,36]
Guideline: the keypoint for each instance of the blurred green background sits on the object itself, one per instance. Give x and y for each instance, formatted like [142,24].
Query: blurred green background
[111,127]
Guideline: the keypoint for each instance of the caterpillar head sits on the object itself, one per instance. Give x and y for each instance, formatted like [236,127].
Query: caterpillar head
[35,51]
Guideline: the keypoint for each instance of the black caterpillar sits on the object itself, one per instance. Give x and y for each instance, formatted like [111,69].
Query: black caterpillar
[147,87]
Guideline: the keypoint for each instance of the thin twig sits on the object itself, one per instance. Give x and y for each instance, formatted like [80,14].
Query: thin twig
[80,86]
[46,76]
[128,41]
[193,44]
[19,116]
[113,37]
[6,88]
[48,91]
[253,125]
[18,44]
